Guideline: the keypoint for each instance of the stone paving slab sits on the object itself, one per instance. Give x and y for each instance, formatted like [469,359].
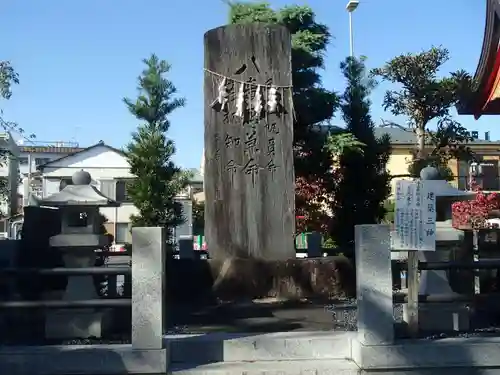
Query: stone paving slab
[311,367]
[82,360]
[219,347]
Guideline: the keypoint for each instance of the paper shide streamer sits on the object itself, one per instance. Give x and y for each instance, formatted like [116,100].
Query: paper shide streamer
[267,98]
[222,99]
[258,101]
[240,101]
[272,100]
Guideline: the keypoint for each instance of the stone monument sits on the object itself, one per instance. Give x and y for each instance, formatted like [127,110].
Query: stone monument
[446,316]
[79,238]
[249,174]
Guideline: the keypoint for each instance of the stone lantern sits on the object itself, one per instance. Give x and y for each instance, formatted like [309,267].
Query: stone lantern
[442,317]
[79,205]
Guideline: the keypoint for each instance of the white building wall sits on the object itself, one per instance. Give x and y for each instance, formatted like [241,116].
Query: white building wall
[9,169]
[103,164]
[36,159]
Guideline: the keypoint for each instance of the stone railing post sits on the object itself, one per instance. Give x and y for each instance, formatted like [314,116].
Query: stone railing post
[148,287]
[186,250]
[374,284]
[314,245]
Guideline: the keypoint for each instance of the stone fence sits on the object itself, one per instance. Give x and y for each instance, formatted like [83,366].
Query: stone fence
[145,355]
[373,347]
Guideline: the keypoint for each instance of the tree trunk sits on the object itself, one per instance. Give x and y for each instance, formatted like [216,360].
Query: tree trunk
[249,175]
[420,131]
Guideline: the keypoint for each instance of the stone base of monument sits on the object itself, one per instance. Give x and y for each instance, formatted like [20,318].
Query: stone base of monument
[77,323]
[441,317]
[247,279]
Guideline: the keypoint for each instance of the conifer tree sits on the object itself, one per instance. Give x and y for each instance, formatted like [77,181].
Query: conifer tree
[363,182]
[158,180]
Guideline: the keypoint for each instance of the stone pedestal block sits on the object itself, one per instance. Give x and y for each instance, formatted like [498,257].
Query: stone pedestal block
[374,285]
[314,245]
[186,250]
[77,323]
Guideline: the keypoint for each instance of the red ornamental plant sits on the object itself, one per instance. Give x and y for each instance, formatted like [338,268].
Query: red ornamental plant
[474,214]
[310,200]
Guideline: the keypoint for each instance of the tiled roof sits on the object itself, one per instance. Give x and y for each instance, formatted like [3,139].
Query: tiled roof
[404,137]
[197,177]
[50,149]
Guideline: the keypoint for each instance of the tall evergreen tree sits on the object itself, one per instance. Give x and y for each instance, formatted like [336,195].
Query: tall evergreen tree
[363,182]
[150,152]
[314,105]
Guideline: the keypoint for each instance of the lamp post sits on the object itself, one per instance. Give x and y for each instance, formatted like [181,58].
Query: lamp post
[351,7]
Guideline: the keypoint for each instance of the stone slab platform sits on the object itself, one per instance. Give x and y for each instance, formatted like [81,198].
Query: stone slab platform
[472,353]
[310,367]
[475,355]
[295,353]
[223,347]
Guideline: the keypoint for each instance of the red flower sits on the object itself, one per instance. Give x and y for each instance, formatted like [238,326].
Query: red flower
[475,213]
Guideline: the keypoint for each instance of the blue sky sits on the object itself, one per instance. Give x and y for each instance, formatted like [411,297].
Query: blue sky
[77,59]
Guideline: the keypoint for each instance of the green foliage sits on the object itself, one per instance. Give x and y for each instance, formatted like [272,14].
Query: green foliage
[424,95]
[363,181]
[329,243]
[314,105]
[8,78]
[389,207]
[339,144]
[415,165]
[150,152]
[198,218]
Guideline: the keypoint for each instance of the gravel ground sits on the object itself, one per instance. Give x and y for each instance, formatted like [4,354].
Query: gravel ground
[345,319]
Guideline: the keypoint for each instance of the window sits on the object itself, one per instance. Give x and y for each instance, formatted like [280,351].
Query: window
[122,234]
[463,174]
[23,161]
[41,161]
[489,175]
[121,191]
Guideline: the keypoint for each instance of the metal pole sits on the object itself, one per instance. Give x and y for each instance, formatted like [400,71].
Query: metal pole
[29,177]
[351,37]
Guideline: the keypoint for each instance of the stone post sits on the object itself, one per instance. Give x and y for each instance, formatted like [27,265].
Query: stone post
[374,284]
[186,250]
[148,287]
[314,249]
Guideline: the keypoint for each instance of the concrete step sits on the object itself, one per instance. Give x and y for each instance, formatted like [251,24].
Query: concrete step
[311,367]
[225,347]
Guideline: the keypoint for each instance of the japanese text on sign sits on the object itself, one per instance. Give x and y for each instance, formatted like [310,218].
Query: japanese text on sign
[415,217]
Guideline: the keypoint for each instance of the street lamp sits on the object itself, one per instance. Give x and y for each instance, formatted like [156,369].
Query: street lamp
[351,7]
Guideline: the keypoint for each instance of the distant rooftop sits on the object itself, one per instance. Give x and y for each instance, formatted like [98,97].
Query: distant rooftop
[197,177]
[407,136]
[50,149]
[53,147]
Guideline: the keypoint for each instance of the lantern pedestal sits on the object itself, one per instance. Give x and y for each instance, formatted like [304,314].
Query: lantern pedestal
[77,323]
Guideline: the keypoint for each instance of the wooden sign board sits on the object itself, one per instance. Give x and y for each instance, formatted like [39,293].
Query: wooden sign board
[415,217]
